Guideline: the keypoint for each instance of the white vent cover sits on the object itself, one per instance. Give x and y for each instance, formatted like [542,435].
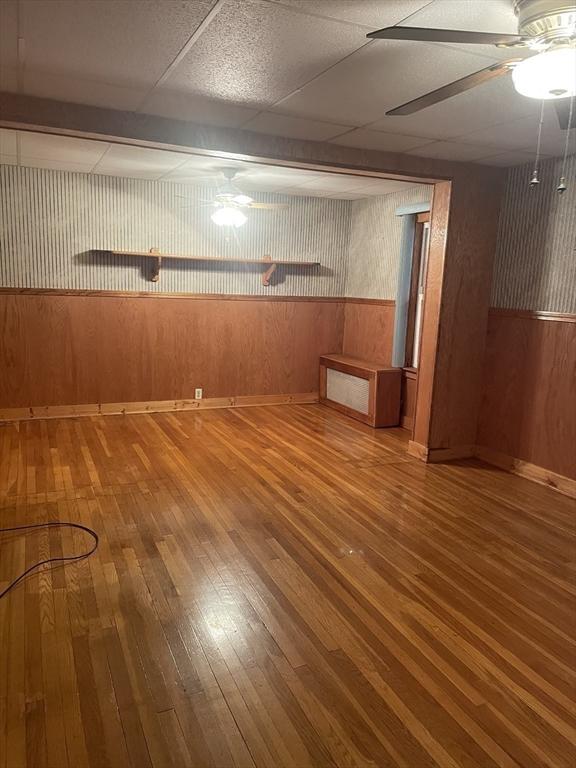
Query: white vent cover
[348,390]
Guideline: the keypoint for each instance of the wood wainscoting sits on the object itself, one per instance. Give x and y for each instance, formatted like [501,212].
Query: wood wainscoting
[408,401]
[369,329]
[528,415]
[63,348]
[71,352]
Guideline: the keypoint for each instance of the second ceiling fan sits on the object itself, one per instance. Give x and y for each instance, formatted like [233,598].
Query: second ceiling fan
[230,202]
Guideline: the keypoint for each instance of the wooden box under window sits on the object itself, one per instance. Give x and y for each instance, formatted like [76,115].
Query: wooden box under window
[365,391]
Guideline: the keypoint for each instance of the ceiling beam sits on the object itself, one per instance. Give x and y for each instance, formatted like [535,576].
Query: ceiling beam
[32,113]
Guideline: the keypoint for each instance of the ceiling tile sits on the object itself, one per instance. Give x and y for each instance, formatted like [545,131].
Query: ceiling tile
[180,105]
[373,13]
[331,183]
[8,159]
[386,142]
[522,134]
[293,127]
[257,53]
[73,89]
[299,192]
[449,150]
[198,170]
[274,178]
[474,15]
[513,157]
[138,162]
[126,43]
[45,146]
[484,16]
[481,107]
[8,142]
[54,165]
[382,75]
[379,187]
[70,154]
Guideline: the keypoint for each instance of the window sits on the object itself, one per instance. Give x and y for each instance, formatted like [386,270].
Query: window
[417,288]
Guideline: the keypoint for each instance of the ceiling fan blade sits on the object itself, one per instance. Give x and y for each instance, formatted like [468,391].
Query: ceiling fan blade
[269,206]
[425,35]
[563,112]
[453,89]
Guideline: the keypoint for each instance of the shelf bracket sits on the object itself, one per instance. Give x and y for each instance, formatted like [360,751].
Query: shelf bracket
[155,276]
[269,272]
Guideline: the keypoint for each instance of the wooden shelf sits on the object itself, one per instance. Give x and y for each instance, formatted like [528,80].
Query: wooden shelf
[268,261]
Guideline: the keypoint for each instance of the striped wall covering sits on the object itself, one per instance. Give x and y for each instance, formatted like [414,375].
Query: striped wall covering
[51,222]
[375,235]
[535,266]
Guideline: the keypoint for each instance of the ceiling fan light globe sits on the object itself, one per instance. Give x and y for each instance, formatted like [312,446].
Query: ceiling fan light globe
[243,199]
[549,75]
[227,216]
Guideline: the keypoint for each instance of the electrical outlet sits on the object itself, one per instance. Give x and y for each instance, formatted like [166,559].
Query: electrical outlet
[198,393]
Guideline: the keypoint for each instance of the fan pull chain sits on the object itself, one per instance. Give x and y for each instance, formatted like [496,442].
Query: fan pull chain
[562,187]
[534,181]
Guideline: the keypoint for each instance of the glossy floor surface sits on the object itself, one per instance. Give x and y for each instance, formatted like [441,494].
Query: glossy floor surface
[277,587]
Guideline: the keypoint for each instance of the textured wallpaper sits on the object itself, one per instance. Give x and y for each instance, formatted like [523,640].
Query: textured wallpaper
[535,264]
[52,222]
[55,228]
[375,235]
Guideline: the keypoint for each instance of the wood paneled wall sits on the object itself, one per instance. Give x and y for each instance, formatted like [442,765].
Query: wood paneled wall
[62,349]
[369,330]
[408,400]
[529,400]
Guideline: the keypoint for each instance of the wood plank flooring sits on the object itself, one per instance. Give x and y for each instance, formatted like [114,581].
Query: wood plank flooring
[276,587]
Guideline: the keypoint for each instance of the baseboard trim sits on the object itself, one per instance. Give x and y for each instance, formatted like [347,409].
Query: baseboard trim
[560,483]
[155,406]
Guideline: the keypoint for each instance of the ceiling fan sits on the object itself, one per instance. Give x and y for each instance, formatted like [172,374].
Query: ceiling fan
[230,202]
[547,27]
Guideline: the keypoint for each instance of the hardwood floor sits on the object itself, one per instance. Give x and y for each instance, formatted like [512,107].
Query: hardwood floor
[279,586]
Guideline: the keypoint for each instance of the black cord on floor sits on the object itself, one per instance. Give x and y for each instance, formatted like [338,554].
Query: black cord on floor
[83,556]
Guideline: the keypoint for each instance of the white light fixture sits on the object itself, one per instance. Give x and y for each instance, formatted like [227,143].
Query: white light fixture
[243,199]
[549,75]
[228,216]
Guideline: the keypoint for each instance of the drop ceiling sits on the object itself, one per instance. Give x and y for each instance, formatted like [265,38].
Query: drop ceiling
[63,153]
[297,68]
